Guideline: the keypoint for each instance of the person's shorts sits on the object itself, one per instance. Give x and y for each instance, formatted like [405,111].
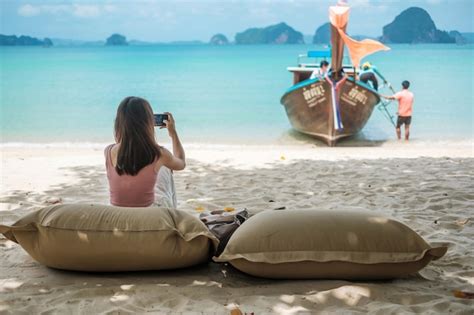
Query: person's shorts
[403,120]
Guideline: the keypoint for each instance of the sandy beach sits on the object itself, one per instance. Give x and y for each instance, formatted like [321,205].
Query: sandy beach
[427,186]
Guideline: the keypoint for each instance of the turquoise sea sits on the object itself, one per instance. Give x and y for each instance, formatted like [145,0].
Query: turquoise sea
[228,94]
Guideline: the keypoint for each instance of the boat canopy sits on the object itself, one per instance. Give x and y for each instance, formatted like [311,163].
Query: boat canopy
[319,54]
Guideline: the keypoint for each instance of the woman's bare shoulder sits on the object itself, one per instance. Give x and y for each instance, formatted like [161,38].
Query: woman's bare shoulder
[111,147]
[110,151]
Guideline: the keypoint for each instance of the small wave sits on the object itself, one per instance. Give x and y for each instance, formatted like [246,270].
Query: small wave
[415,142]
[61,145]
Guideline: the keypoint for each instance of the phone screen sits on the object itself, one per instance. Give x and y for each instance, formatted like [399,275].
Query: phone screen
[159,118]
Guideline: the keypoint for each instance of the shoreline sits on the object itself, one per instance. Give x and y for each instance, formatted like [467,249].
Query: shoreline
[291,139]
[39,167]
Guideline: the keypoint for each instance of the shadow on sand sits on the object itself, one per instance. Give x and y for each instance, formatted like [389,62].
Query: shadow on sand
[292,136]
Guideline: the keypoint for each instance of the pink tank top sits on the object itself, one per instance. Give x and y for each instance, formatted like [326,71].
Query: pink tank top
[127,190]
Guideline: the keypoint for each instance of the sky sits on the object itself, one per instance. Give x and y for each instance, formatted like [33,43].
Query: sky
[171,20]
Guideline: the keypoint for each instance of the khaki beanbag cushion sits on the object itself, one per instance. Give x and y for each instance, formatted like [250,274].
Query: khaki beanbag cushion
[328,245]
[107,238]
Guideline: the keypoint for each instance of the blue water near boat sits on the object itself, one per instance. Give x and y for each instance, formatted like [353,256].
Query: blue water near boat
[228,94]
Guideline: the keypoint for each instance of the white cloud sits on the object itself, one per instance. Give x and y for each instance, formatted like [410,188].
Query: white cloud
[55,9]
[110,8]
[368,5]
[28,10]
[86,11]
[77,10]
[262,13]
[359,3]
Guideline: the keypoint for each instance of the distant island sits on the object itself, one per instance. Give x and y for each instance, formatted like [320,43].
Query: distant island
[411,26]
[116,40]
[414,25]
[219,39]
[12,40]
[458,37]
[183,42]
[469,37]
[275,34]
[76,42]
[322,34]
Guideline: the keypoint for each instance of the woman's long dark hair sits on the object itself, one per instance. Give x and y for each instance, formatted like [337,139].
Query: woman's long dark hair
[134,130]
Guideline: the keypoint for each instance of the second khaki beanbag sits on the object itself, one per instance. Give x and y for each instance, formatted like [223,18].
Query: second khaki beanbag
[301,244]
[105,238]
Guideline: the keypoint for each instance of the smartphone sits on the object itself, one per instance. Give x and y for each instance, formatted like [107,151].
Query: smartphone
[159,118]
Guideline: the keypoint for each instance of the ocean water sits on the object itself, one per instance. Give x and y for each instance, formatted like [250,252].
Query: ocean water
[228,94]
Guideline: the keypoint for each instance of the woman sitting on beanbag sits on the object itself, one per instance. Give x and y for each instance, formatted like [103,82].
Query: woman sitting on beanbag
[136,164]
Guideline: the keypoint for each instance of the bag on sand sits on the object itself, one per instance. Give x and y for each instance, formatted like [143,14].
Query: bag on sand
[223,224]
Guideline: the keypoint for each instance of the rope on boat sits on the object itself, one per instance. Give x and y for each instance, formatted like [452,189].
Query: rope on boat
[335,106]
[384,103]
[336,111]
[385,82]
[383,108]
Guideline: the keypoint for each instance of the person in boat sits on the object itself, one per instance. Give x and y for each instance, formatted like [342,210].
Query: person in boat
[321,72]
[136,164]
[405,108]
[367,74]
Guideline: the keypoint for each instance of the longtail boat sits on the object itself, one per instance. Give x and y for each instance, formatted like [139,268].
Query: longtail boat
[336,105]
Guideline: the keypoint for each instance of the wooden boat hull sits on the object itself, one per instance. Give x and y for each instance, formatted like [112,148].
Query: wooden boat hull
[309,108]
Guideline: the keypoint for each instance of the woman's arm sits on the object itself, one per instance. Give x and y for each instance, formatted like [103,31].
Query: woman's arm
[177,160]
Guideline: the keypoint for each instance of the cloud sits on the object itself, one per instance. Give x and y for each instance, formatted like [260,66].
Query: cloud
[359,3]
[54,9]
[86,11]
[76,10]
[110,8]
[28,10]
[368,5]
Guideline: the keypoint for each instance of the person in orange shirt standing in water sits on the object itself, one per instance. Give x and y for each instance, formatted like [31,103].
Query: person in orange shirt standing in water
[405,108]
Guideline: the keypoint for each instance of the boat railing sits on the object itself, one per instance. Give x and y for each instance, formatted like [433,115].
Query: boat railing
[313,58]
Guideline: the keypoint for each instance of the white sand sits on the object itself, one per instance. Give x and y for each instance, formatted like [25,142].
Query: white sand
[430,187]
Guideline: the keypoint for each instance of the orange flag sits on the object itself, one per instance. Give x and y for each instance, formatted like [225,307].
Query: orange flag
[360,49]
[339,15]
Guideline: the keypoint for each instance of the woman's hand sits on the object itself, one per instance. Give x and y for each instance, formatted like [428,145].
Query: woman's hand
[169,124]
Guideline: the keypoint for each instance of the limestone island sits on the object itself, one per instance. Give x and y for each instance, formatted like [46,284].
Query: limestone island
[322,34]
[219,40]
[116,40]
[12,40]
[414,25]
[274,34]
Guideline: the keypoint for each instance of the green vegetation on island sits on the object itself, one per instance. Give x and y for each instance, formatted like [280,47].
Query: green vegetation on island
[12,40]
[322,34]
[116,40]
[469,37]
[458,37]
[275,34]
[76,42]
[219,39]
[414,25]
